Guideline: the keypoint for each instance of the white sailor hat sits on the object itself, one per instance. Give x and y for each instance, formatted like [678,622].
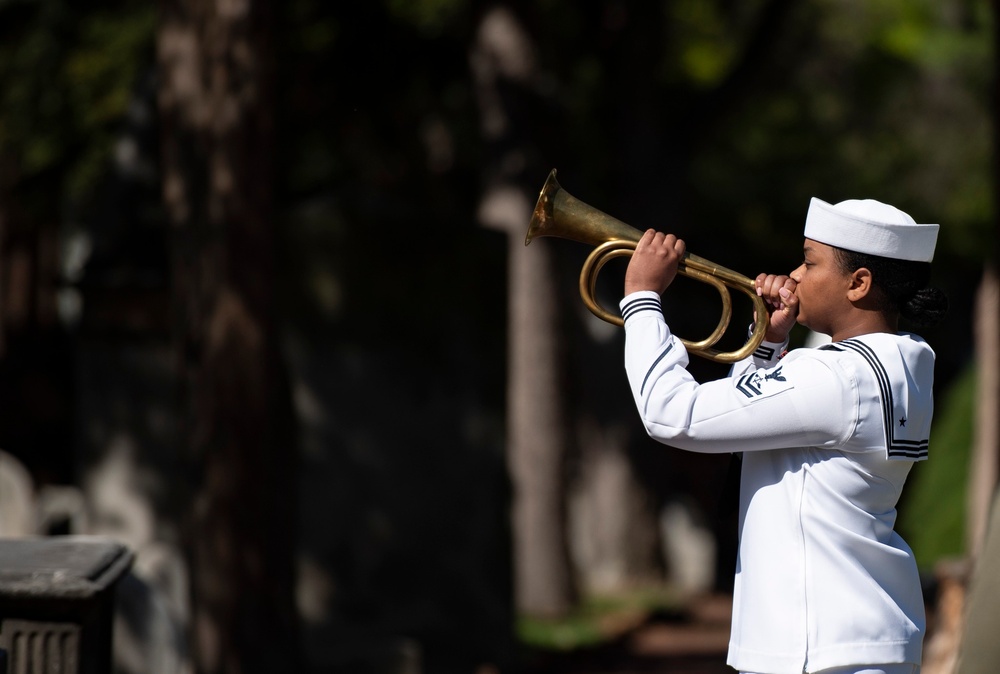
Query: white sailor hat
[869,226]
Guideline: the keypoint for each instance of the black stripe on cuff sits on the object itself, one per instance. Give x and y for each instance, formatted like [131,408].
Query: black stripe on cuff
[641,304]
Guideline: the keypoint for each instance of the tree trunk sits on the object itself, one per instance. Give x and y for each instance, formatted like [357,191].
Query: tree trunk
[983,466]
[980,650]
[502,65]
[537,438]
[615,540]
[235,419]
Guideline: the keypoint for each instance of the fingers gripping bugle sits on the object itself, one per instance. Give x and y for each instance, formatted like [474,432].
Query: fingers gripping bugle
[559,214]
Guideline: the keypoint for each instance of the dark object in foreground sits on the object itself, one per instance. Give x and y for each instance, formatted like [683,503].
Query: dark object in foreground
[57,603]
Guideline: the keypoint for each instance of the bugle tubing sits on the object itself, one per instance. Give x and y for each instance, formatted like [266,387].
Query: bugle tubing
[559,214]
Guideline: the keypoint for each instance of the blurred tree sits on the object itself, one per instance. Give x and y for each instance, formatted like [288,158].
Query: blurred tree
[504,72]
[984,467]
[236,425]
[68,70]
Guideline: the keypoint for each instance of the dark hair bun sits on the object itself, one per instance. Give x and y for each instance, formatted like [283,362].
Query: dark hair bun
[927,307]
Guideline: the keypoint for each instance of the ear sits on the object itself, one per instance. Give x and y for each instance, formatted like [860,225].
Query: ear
[861,284]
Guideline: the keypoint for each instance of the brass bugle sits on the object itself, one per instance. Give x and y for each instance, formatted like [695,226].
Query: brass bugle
[559,214]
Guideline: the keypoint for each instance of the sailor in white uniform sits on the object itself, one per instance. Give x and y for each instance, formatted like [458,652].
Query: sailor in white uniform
[827,437]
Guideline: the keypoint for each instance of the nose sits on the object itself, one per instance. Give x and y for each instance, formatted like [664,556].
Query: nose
[796,274]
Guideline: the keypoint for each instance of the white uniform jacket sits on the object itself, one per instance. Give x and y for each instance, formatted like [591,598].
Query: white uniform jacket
[827,436]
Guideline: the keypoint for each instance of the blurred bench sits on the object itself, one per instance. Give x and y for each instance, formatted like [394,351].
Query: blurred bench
[57,603]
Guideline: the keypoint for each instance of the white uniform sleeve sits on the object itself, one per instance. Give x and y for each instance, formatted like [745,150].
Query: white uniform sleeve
[797,402]
[767,354]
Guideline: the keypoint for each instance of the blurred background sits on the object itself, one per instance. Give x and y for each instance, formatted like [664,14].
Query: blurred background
[267,316]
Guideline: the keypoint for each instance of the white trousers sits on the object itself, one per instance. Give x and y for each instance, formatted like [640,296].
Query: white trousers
[895,668]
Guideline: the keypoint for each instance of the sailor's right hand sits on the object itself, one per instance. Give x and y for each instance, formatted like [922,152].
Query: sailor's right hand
[654,264]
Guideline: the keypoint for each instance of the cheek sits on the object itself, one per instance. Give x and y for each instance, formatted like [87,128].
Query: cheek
[803,291]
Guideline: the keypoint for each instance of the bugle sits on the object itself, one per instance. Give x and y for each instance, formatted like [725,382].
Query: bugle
[559,214]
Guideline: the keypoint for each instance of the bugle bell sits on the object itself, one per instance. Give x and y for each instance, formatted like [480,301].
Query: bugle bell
[559,214]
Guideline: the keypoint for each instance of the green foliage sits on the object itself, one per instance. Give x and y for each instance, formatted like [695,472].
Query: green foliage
[430,17]
[575,631]
[889,102]
[933,34]
[597,619]
[705,48]
[69,72]
[932,518]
